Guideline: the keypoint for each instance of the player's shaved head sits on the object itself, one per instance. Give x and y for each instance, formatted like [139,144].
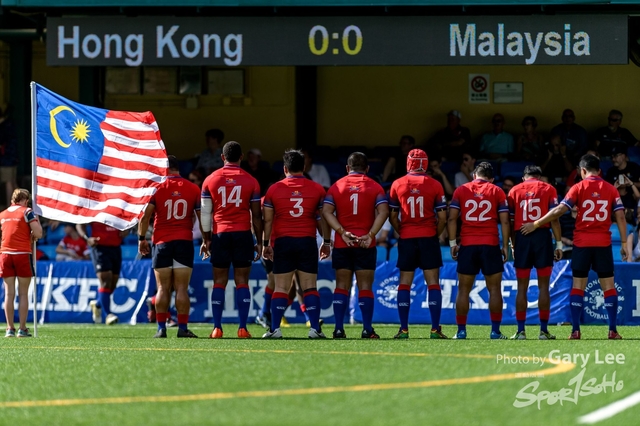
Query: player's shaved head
[358,162]
[484,170]
[232,151]
[590,162]
[173,163]
[293,160]
[532,171]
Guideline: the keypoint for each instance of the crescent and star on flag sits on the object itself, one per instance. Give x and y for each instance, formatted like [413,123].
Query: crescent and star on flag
[79,133]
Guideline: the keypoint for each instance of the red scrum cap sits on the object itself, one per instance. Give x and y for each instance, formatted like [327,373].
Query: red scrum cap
[417,161]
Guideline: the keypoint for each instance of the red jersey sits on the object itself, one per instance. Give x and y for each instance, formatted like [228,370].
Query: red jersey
[355,198]
[480,202]
[16,231]
[418,197]
[175,200]
[78,245]
[295,201]
[597,201]
[232,190]
[531,200]
[108,235]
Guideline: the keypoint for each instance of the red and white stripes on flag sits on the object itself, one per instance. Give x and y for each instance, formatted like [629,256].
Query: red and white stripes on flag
[112,189]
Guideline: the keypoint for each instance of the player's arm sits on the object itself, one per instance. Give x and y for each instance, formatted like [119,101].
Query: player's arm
[325,249]
[206,219]
[557,235]
[329,218]
[382,211]
[256,220]
[34,224]
[442,221]
[622,228]
[553,214]
[267,250]
[143,226]
[82,231]
[452,229]
[394,212]
[506,234]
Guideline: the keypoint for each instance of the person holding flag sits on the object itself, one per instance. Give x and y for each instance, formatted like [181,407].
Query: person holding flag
[20,227]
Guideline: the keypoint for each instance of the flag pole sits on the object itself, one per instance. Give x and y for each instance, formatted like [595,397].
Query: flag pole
[33,195]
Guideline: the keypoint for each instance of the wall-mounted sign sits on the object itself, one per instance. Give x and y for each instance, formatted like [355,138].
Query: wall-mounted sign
[508,93]
[479,89]
[338,40]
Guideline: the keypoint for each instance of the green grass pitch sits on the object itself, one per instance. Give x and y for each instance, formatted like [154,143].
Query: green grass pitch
[99,375]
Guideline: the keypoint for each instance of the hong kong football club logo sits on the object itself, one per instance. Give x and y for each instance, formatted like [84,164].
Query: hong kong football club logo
[387,292]
[594,300]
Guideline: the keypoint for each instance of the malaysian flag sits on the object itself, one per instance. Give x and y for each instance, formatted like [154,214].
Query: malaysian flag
[91,164]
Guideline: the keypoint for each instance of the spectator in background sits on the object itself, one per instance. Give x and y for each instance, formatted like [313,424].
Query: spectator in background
[452,140]
[397,165]
[317,172]
[605,137]
[196,177]
[496,144]
[72,246]
[556,165]
[625,176]
[256,168]
[530,143]
[209,159]
[466,168]
[436,172]
[572,135]
[8,155]
[508,182]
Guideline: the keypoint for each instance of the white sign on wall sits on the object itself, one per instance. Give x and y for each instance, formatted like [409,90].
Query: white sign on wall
[479,89]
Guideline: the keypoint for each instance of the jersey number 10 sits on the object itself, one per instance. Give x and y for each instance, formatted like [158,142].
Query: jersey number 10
[177,209]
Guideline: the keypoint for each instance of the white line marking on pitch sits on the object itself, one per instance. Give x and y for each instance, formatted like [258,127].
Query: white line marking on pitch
[610,410]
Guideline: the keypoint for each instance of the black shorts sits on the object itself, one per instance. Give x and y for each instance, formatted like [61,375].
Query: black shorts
[354,258]
[232,248]
[268,265]
[600,259]
[422,252]
[533,250]
[485,258]
[107,258]
[295,253]
[172,254]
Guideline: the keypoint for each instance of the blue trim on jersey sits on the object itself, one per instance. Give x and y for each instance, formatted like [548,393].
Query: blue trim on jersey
[381,202]
[618,207]
[295,177]
[453,206]
[417,174]
[268,205]
[567,203]
[327,201]
[258,199]
[356,173]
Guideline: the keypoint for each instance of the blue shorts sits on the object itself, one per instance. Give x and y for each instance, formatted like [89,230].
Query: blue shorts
[295,254]
[355,258]
[600,259]
[485,258]
[533,250]
[232,248]
[166,255]
[422,252]
[107,259]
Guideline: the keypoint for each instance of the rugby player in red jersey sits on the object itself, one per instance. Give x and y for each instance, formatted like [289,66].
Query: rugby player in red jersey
[597,201]
[233,196]
[361,208]
[174,204]
[419,215]
[482,206]
[291,208]
[528,202]
[106,254]
[20,227]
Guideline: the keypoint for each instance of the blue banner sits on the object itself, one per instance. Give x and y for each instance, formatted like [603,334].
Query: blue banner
[66,288]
